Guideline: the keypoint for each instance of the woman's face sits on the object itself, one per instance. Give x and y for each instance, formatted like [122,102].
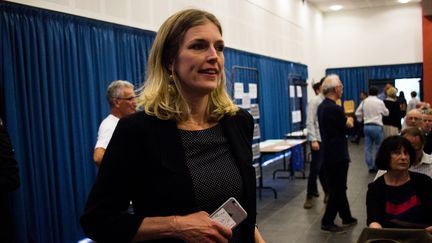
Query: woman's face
[200,60]
[399,160]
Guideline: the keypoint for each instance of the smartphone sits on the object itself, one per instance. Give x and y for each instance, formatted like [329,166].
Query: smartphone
[230,214]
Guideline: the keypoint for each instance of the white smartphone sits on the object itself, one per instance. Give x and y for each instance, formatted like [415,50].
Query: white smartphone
[230,214]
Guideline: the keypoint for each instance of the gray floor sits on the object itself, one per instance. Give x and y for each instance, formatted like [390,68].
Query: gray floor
[284,220]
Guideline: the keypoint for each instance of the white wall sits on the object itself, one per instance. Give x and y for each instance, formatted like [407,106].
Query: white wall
[284,29]
[389,35]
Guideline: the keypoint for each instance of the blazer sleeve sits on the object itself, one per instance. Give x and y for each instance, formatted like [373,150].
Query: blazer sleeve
[9,173]
[105,218]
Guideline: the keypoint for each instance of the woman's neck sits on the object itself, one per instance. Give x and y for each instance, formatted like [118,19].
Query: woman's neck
[396,178]
[198,118]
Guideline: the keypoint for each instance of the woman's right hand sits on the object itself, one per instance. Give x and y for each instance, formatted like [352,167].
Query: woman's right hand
[200,228]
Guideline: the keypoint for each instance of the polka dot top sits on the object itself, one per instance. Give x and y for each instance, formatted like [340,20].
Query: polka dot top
[213,169]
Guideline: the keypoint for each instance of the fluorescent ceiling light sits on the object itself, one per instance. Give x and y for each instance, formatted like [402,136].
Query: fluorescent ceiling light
[336,7]
[403,1]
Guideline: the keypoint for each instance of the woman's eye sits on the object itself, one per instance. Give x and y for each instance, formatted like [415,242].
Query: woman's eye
[219,47]
[198,46]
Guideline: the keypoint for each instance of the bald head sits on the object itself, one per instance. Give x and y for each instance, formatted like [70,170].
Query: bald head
[414,118]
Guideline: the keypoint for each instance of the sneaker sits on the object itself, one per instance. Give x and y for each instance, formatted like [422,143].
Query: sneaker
[333,228]
[326,198]
[350,222]
[308,203]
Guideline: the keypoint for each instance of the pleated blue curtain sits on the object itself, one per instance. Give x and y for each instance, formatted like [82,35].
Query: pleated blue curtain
[355,79]
[55,69]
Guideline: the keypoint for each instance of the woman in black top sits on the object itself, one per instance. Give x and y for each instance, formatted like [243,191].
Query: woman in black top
[399,198]
[186,153]
[392,122]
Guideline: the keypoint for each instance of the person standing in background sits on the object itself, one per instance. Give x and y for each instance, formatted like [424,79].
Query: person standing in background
[372,110]
[413,101]
[427,129]
[121,98]
[333,125]
[314,138]
[403,103]
[392,122]
[383,94]
[359,123]
[9,181]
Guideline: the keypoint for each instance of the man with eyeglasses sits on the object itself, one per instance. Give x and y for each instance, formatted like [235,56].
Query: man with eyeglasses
[121,98]
[423,161]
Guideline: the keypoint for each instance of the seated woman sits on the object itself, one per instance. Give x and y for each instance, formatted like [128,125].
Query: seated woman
[400,198]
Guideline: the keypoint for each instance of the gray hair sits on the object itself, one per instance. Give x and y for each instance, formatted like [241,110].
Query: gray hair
[115,90]
[330,83]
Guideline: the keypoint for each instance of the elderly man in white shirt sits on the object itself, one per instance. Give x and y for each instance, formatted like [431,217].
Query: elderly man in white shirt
[423,162]
[371,111]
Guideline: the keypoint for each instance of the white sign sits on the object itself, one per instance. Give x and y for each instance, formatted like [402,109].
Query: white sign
[299,91]
[296,116]
[291,91]
[238,90]
[246,102]
[253,94]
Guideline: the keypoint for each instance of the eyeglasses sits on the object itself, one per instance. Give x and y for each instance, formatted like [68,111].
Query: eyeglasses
[127,98]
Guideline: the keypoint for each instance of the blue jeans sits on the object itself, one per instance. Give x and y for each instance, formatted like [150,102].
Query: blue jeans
[374,136]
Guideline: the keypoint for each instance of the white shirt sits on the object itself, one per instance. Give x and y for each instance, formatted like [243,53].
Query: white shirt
[424,167]
[412,104]
[312,118]
[372,110]
[106,130]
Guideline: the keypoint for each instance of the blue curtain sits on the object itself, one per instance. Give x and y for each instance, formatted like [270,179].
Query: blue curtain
[356,79]
[54,72]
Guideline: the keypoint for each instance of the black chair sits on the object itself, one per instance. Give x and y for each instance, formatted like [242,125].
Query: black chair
[393,235]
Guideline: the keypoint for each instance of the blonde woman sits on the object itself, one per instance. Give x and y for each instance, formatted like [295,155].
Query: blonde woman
[186,153]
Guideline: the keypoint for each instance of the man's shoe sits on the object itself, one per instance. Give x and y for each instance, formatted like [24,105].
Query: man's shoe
[326,198]
[350,222]
[308,203]
[333,228]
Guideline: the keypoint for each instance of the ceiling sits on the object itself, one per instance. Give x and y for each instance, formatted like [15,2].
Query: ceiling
[323,5]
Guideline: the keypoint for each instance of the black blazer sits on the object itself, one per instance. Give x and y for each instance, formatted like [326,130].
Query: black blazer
[332,124]
[145,162]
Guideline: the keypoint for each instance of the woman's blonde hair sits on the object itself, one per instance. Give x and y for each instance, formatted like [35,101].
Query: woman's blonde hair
[160,95]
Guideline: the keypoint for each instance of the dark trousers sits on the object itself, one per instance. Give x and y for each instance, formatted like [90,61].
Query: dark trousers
[338,202]
[6,221]
[315,171]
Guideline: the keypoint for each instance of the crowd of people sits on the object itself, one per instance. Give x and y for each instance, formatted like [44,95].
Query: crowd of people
[398,140]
